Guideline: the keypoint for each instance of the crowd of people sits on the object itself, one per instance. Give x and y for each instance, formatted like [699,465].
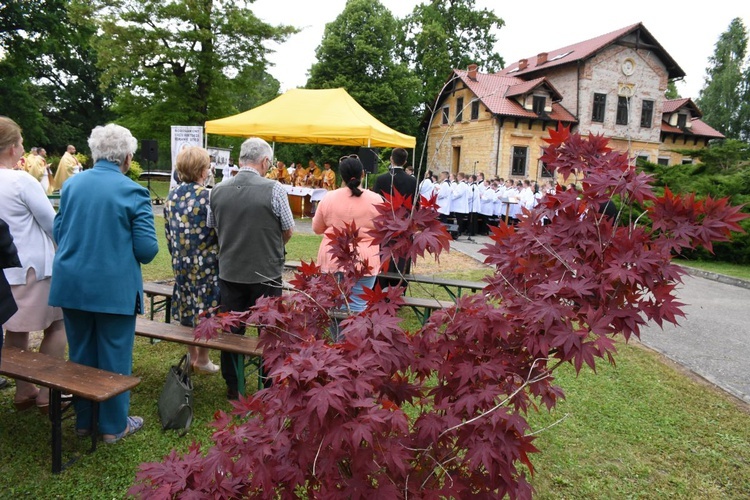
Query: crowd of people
[81,283]
[474,202]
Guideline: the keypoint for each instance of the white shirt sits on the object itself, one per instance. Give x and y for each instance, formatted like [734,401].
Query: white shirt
[426,188]
[444,197]
[24,206]
[460,198]
[487,201]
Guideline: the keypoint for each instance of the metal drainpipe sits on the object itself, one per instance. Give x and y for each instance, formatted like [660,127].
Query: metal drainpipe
[497,146]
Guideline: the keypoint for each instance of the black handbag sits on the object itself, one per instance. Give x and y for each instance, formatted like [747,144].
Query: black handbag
[176,399]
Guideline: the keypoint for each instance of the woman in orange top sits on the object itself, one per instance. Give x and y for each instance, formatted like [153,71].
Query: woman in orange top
[344,205]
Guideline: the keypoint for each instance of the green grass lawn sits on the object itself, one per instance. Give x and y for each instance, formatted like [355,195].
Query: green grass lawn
[642,429]
[726,268]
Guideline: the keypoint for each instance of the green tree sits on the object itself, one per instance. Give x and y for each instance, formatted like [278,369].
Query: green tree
[49,82]
[442,35]
[725,97]
[182,62]
[672,92]
[359,53]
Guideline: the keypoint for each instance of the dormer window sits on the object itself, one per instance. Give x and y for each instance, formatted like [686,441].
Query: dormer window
[539,103]
[682,120]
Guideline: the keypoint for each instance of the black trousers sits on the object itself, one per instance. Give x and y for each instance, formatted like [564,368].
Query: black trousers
[241,297]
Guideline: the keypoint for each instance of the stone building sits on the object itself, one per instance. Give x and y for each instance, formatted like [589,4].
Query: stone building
[612,85]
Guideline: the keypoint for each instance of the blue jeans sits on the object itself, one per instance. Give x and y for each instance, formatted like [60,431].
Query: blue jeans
[356,303]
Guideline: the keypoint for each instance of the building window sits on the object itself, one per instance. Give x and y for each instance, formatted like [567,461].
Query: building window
[475,110]
[623,103]
[641,159]
[446,114]
[681,120]
[687,161]
[538,105]
[600,103]
[546,172]
[519,160]
[663,161]
[459,109]
[647,113]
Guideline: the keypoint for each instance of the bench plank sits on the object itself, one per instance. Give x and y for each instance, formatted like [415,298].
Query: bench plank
[61,376]
[237,344]
[65,376]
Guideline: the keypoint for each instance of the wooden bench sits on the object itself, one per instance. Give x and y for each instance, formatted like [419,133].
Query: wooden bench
[160,298]
[245,347]
[423,307]
[447,284]
[63,376]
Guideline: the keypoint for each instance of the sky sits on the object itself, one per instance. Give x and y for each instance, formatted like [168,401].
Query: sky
[687,31]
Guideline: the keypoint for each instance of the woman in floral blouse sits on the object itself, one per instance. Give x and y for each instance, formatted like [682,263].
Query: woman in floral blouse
[193,247]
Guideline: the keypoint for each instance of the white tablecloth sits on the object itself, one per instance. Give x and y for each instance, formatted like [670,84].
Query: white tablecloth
[314,194]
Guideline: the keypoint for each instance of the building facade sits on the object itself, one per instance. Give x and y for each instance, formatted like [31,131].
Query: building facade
[612,85]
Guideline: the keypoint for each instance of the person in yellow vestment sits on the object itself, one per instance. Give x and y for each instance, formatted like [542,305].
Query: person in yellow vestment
[316,175]
[301,174]
[35,165]
[68,166]
[329,177]
[282,173]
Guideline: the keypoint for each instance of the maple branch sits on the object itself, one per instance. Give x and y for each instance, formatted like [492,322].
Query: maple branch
[546,374]
[315,462]
[553,424]
[554,254]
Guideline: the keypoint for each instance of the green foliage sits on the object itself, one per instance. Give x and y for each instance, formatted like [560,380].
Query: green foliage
[359,53]
[724,171]
[183,62]
[725,97]
[672,92]
[135,170]
[49,82]
[441,36]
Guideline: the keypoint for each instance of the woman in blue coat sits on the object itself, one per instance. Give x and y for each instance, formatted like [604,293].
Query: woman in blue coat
[104,230]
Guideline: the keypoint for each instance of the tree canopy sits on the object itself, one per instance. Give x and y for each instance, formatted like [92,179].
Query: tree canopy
[359,53]
[725,97]
[439,36]
[183,61]
[49,81]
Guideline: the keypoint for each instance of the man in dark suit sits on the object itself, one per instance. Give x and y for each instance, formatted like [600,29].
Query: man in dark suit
[396,179]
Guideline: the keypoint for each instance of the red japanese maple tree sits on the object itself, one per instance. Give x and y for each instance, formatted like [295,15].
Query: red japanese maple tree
[441,412]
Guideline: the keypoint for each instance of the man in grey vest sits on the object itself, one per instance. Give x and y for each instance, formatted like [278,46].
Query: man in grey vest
[253,221]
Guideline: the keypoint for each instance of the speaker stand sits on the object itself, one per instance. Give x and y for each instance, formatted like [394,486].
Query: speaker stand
[157,200]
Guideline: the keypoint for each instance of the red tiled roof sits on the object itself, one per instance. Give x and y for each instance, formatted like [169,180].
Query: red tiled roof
[583,50]
[527,86]
[698,128]
[493,90]
[672,105]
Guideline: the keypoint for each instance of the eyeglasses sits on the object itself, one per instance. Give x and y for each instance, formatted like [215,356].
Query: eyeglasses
[348,156]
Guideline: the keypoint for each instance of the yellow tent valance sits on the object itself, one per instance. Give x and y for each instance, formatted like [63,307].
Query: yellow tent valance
[312,116]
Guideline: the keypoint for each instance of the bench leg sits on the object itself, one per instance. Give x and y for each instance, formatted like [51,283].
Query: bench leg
[240,369]
[55,416]
[94,425]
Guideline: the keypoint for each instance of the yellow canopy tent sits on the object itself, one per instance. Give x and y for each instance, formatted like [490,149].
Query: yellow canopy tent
[320,116]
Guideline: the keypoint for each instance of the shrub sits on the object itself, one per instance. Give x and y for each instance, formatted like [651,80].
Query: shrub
[334,422]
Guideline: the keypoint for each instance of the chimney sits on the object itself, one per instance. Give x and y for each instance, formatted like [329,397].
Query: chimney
[541,58]
[472,72]
[522,64]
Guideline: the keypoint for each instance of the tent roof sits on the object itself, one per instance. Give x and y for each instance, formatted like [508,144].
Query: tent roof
[320,116]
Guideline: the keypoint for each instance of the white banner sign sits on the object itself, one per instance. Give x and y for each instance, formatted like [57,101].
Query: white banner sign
[183,136]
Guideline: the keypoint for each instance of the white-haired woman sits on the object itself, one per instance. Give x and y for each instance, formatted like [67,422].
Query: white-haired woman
[27,211]
[104,230]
